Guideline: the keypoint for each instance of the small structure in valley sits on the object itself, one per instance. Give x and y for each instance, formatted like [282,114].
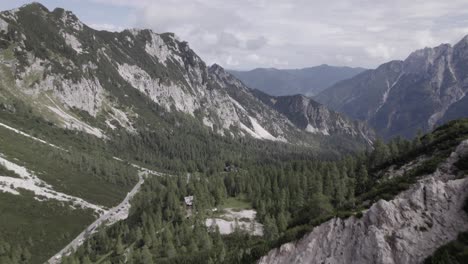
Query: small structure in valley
[188,201]
[231,168]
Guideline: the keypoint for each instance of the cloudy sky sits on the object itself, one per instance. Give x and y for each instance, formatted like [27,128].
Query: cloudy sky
[245,34]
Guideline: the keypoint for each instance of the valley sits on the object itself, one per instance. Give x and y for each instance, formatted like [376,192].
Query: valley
[127,147]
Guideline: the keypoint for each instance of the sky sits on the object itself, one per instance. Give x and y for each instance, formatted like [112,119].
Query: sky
[247,34]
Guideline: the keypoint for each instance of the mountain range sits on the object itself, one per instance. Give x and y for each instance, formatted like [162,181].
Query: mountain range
[399,98]
[125,147]
[307,81]
[66,67]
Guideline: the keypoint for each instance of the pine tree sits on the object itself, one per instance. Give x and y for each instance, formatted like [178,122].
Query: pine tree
[350,192]
[270,229]
[170,249]
[192,248]
[416,143]
[362,179]
[300,200]
[381,153]
[25,255]
[327,183]
[394,149]
[221,254]
[428,139]
[146,257]
[340,191]
[282,222]
[86,260]
[119,249]
[205,241]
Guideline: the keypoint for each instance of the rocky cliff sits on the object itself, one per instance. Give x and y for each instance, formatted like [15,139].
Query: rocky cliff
[400,97]
[96,81]
[407,229]
[315,118]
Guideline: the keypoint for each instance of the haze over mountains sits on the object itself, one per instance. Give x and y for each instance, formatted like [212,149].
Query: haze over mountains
[307,81]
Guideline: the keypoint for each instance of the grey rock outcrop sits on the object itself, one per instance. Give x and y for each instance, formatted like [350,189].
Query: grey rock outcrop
[406,229]
[315,118]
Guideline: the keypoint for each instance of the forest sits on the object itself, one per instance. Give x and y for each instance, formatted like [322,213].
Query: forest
[290,196]
[292,188]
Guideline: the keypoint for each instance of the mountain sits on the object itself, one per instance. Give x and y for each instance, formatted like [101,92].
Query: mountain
[425,223]
[91,119]
[91,80]
[308,81]
[313,117]
[126,147]
[401,97]
[302,112]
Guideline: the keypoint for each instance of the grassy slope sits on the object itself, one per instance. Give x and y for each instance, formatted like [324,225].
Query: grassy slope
[43,228]
[45,162]
[49,225]
[237,203]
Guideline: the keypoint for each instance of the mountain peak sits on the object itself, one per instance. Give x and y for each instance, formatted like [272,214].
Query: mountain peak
[397,98]
[219,71]
[462,44]
[216,67]
[31,7]
[222,75]
[464,39]
[35,5]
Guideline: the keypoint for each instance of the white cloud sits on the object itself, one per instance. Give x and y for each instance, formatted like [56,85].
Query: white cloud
[231,62]
[425,38]
[254,58]
[376,28]
[300,33]
[210,38]
[380,51]
[344,58]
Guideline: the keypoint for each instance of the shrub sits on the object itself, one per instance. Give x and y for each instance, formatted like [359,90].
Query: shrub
[462,163]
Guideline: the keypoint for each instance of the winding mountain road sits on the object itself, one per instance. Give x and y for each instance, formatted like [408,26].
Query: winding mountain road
[110,217]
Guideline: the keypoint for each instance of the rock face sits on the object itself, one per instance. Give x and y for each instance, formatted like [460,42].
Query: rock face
[400,97]
[405,230]
[61,68]
[307,81]
[315,118]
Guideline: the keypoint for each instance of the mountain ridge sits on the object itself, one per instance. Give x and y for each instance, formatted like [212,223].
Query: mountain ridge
[308,81]
[314,117]
[78,70]
[399,97]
